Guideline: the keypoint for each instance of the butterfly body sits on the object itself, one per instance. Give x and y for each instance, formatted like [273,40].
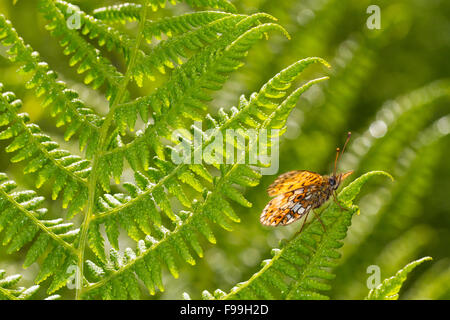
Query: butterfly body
[296,193]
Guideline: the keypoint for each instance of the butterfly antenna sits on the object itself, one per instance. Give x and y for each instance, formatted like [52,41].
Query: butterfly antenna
[341,153]
[335,161]
[346,141]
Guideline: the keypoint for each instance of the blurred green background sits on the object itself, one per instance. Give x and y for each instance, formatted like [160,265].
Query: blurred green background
[389,87]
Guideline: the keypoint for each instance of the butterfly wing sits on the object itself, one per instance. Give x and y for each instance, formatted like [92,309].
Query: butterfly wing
[293,180]
[290,206]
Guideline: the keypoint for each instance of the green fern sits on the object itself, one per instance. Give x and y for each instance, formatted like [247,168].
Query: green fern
[202,50]
[120,214]
[389,288]
[9,291]
[301,268]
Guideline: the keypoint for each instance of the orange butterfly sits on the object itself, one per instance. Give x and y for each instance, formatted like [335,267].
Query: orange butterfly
[299,192]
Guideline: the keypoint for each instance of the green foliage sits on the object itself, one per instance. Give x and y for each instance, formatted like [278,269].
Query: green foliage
[9,291]
[302,267]
[390,287]
[136,81]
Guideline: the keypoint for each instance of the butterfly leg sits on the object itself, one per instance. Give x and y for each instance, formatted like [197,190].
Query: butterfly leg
[320,220]
[303,224]
[338,203]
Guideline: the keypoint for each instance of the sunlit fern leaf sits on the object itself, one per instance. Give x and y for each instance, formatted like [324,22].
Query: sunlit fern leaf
[400,208]
[106,35]
[167,246]
[216,4]
[433,284]
[168,53]
[43,155]
[127,12]
[389,289]
[302,268]
[22,222]
[183,97]
[10,291]
[99,69]
[63,103]
[124,12]
[148,194]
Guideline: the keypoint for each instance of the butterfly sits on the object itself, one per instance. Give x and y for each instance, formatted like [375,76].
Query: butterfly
[297,193]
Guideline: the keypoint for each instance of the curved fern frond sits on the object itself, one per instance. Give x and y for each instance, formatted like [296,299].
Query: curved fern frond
[174,102]
[164,246]
[44,156]
[89,59]
[390,287]
[216,4]
[106,35]
[301,269]
[9,291]
[125,12]
[65,104]
[434,284]
[263,108]
[169,52]
[400,207]
[22,223]
[174,26]
[397,123]
[128,12]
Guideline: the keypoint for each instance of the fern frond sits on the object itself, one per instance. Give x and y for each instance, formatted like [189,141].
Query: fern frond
[127,12]
[400,208]
[44,156]
[106,35]
[301,268]
[389,288]
[22,223]
[9,290]
[216,4]
[174,26]
[169,246]
[89,59]
[262,107]
[183,97]
[398,122]
[169,52]
[434,284]
[66,105]
[124,12]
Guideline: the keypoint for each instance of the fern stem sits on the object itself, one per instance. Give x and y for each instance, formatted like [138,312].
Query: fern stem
[100,149]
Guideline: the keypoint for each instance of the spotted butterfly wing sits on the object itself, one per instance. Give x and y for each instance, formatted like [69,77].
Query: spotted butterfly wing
[290,206]
[293,180]
[297,192]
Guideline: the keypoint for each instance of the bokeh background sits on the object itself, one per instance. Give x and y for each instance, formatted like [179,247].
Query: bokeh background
[389,87]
